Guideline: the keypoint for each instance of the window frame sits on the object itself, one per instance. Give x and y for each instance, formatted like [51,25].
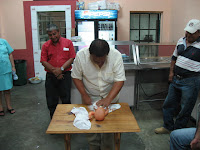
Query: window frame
[158,26]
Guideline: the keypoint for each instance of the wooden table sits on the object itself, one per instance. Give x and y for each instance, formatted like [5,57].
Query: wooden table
[118,121]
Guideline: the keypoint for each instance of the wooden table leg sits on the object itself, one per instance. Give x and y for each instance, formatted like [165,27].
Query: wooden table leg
[117,140]
[67,142]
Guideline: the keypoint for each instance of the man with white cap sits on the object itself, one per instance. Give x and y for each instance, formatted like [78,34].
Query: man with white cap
[184,78]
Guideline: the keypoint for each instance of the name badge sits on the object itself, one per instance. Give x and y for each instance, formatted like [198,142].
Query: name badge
[65,49]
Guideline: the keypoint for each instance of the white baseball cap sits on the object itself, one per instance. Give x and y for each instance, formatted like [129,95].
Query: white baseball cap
[192,26]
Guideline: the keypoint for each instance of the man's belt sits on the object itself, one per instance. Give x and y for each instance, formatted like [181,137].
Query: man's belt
[179,77]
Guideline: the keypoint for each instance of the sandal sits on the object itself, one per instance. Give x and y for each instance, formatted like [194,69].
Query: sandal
[11,111]
[2,113]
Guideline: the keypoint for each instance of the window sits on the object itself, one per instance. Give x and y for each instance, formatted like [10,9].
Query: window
[145,27]
[49,17]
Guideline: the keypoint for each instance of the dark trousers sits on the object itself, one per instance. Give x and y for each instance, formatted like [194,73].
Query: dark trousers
[56,89]
[101,141]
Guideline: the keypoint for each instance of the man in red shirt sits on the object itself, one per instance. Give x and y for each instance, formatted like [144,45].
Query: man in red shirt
[57,56]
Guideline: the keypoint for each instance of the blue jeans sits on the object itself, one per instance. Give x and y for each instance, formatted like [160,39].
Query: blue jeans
[183,92]
[180,139]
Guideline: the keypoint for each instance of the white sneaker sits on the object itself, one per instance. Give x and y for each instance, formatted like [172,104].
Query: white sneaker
[162,130]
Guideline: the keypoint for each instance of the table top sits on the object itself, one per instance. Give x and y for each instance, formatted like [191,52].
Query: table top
[118,121]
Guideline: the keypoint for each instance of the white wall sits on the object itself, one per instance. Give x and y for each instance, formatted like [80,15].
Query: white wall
[182,12]
[127,91]
[140,5]
[176,13]
[12,23]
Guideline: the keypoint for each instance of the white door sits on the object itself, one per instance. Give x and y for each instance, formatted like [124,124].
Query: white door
[39,35]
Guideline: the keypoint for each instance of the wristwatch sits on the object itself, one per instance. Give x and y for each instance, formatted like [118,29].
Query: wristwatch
[62,69]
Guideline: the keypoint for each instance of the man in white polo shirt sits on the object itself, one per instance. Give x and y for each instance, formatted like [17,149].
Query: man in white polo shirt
[98,73]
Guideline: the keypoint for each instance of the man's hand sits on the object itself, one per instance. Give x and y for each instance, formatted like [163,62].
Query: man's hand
[60,77]
[86,99]
[195,144]
[105,102]
[56,71]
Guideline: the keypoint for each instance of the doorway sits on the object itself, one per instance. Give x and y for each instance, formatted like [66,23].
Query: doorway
[41,16]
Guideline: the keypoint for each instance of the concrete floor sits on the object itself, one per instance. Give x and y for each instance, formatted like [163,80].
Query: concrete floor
[25,130]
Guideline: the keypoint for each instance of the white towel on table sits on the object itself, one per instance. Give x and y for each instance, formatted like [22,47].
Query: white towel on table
[82,120]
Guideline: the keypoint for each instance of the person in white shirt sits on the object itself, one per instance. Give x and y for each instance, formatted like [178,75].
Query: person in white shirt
[98,73]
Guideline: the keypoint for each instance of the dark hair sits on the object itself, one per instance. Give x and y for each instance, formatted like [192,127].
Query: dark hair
[99,48]
[52,27]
